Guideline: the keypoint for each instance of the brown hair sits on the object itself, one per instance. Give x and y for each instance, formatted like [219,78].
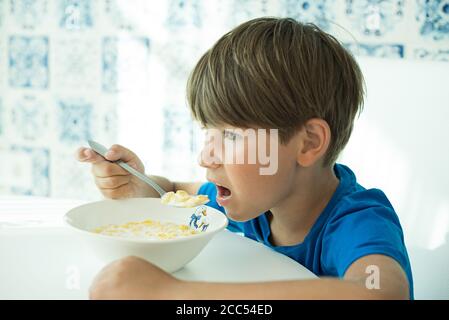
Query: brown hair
[278,73]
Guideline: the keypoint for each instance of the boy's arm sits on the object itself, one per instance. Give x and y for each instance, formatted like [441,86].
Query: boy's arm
[135,278]
[359,277]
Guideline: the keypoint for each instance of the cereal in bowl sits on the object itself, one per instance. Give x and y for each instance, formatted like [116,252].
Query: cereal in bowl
[147,230]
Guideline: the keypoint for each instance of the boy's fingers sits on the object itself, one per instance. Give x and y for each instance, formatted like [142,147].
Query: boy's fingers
[106,169]
[118,152]
[88,155]
[112,182]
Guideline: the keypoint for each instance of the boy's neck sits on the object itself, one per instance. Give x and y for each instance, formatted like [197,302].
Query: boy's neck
[293,217]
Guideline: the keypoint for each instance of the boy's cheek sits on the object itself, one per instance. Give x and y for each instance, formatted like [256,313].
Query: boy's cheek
[252,193]
[249,203]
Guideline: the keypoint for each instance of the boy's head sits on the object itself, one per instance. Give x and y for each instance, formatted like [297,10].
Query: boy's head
[282,74]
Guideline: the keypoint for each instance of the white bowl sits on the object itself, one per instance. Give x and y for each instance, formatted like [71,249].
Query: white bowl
[169,254]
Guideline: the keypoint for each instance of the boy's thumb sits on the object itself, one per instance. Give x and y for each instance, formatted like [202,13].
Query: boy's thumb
[117,152]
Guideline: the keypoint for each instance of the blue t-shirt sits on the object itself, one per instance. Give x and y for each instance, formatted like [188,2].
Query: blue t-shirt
[356,222]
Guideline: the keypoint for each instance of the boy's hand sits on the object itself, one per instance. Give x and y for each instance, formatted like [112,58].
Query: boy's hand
[133,278]
[113,181]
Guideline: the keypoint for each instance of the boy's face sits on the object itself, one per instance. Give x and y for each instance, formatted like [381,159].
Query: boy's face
[244,189]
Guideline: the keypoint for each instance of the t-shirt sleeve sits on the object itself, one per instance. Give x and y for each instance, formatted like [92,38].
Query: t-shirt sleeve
[210,190]
[374,230]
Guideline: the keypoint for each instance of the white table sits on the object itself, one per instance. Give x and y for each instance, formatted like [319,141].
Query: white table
[42,259]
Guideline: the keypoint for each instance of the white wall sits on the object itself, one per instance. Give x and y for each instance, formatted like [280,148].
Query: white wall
[400,144]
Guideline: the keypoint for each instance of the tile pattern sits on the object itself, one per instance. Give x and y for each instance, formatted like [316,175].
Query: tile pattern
[115,71]
[28,62]
[433,17]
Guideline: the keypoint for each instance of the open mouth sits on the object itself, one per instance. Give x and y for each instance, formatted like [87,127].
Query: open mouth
[223,192]
[223,195]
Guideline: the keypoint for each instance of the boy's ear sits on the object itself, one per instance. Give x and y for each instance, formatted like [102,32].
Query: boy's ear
[314,139]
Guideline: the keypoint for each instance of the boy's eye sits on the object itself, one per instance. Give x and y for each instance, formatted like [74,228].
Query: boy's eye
[230,135]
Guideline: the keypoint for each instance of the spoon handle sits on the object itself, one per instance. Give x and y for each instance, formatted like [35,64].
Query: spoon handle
[101,150]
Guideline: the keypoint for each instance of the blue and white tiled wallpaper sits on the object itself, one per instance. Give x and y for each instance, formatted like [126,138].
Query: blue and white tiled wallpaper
[115,71]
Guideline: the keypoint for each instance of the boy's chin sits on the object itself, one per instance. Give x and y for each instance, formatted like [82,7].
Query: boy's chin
[233,215]
[239,216]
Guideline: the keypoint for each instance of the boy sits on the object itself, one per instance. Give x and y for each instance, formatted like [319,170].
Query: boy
[271,73]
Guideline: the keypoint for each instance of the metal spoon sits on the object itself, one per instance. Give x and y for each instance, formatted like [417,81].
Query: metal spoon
[102,150]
